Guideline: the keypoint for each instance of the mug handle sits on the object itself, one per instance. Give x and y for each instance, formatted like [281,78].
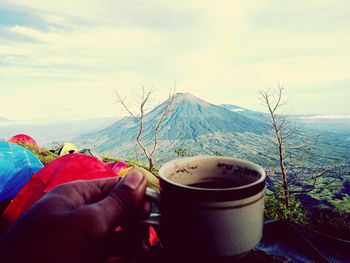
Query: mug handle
[154,218]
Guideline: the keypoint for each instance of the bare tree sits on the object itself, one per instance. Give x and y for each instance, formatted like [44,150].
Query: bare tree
[140,117]
[273,103]
[294,150]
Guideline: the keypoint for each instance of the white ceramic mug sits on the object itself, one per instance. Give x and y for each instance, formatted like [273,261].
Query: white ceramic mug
[210,206]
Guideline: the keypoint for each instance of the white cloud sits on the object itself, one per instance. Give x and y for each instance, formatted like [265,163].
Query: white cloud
[327,117]
[217,51]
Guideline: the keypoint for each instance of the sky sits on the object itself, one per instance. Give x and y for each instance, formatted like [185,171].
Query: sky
[65,59]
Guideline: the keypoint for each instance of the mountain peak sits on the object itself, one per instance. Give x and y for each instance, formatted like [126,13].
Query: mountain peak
[192,123]
[181,97]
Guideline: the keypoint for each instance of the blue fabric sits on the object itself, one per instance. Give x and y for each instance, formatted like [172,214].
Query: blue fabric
[17,165]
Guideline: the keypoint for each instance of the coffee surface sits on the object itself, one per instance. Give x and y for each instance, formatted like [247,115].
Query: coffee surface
[216,184]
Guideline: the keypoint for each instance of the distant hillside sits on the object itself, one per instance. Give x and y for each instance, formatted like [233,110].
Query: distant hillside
[193,122]
[326,123]
[2,119]
[261,116]
[47,133]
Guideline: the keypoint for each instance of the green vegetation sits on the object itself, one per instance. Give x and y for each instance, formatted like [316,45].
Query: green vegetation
[276,209]
[43,154]
[328,221]
[343,204]
[139,164]
[182,152]
[107,159]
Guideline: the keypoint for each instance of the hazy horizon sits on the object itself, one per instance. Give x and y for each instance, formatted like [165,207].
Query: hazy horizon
[52,121]
[65,59]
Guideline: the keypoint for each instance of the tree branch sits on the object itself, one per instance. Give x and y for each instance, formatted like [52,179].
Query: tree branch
[122,102]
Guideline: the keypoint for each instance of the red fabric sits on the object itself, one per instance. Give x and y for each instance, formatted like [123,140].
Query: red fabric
[64,169]
[23,138]
[117,166]
[153,237]
[67,168]
[111,164]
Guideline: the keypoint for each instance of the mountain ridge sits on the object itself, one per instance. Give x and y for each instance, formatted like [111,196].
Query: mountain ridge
[190,118]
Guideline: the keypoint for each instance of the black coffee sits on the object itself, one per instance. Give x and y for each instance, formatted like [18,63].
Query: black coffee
[217,184]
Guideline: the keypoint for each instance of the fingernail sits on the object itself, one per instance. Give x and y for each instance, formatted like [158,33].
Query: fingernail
[133,179]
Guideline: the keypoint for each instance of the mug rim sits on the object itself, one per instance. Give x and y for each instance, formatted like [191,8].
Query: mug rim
[214,194]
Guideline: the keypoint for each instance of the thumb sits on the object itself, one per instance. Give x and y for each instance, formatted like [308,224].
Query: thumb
[124,199]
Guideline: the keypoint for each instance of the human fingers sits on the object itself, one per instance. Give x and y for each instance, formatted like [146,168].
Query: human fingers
[82,192]
[124,200]
[145,208]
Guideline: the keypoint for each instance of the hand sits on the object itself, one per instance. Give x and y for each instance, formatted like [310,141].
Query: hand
[76,222]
